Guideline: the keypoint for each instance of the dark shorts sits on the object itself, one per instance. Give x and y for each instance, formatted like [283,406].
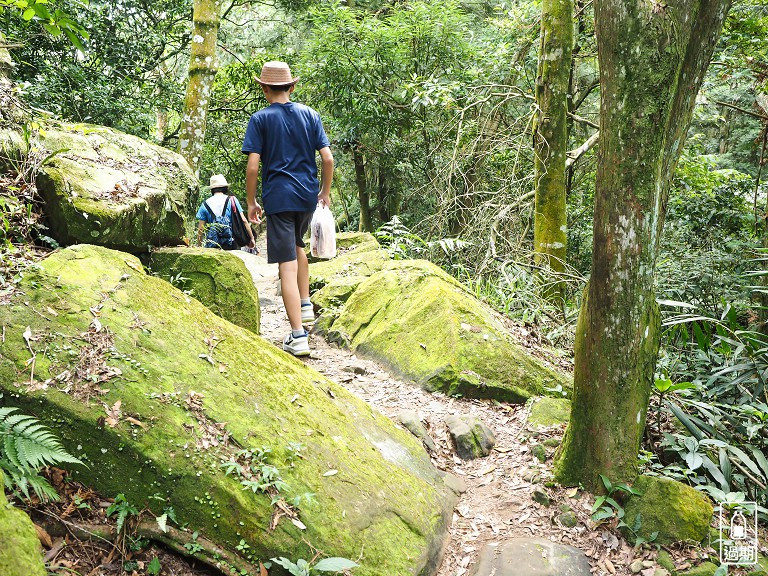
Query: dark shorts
[285,231]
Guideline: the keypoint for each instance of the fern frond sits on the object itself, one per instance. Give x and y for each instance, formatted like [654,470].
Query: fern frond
[26,446]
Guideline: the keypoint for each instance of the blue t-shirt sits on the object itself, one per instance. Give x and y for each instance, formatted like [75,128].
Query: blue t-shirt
[287,136]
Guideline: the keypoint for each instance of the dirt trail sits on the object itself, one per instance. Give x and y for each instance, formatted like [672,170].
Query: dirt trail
[498,503]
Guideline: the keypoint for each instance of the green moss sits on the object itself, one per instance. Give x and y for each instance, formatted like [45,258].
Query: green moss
[703,569]
[385,499]
[425,326]
[664,559]
[113,189]
[674,510]
[217,278]
[359,263]
[550,411]
[20,551]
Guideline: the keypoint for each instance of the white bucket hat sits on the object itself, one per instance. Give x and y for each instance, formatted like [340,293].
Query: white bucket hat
[218,181]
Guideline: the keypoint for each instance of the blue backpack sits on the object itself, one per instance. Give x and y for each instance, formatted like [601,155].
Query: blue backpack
[219,230]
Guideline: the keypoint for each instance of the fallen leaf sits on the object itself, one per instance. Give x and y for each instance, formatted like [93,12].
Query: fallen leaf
[331,473]
[486,470]
[133,266]
[138,423]
[51,311]
[27,335]
[262,570]
[298,523]
[43,536]
[113,414]
[207,357]
[572,492]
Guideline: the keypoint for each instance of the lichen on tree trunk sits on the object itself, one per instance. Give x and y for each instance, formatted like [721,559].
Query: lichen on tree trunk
[202,71]
[652,60]
[366,224]
[550,133]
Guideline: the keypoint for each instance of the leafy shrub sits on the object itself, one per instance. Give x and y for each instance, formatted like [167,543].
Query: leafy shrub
[721,400]
[26,446]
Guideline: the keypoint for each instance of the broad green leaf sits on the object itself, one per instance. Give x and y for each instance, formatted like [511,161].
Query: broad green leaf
[28,14]
[334,564]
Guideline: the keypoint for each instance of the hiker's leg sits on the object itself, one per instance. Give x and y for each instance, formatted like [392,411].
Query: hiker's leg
[302,275]
[290,288]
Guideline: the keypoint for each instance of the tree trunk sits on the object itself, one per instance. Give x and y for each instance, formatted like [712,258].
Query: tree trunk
[550,133]
[202,71]
[366,224]
[382,195]
[653,57]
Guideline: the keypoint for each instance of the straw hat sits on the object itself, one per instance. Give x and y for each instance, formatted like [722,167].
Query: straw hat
[276,74]
[218,181]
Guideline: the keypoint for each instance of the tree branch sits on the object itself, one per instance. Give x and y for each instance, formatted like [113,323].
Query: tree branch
[743,110]
[574,155]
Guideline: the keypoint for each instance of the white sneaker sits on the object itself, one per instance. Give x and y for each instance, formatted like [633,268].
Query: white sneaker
[297,345]
[307,313]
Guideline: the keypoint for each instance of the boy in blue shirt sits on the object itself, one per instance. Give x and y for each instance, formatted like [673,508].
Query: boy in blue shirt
[282,140]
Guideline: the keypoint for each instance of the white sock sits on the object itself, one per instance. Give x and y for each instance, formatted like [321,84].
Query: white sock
[306,302]
[297,333]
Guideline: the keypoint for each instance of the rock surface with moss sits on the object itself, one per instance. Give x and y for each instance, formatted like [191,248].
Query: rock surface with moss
[673,510]
[427,327]
[217,278]
[161,398]
[356,263]
[548,411]
[112,189]
[20,551]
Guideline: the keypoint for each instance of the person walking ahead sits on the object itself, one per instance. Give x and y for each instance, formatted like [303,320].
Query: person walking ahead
[282,139]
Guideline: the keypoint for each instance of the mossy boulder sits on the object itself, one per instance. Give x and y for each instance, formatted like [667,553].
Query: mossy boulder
[109,188]
[360,241]
[703,569]
[547,411]
[20,551]
[217,278]
[161,398]
[356,264]
[672,509]
[348,242]
[426,326]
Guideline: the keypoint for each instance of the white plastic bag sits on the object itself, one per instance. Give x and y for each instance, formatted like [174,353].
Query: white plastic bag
[322,241]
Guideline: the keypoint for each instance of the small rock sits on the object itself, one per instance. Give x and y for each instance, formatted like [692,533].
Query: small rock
[455,483]
[664,559]
[552,442]
[530,556]
[568,519]
[410,419]
[636,566]
[661,572]
[564,508]
[539,452]
[531,475]
[648,563]
[541,497]
[472,438]
[356,369]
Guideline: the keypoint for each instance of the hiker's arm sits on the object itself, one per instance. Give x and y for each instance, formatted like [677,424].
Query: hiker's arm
[200,230]
[326,175]
[251,178]
[250,232]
